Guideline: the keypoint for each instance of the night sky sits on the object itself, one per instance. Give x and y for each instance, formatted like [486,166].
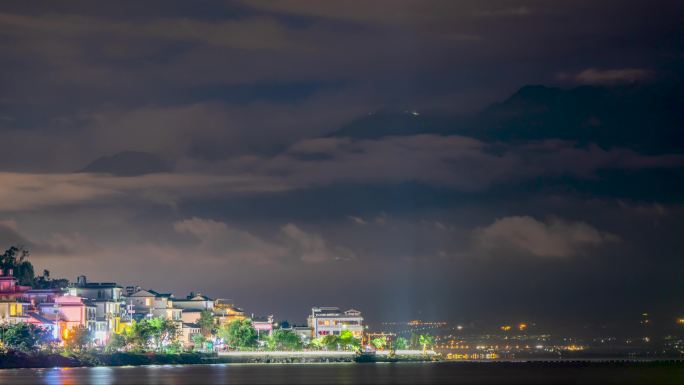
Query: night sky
[471,160]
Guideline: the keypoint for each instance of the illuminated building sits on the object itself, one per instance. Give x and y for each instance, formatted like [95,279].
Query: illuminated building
[263,325]
[12,311]
[105,300]
[12,308]
[9,287]
[331,321]
[149,303]
[304,333]
[227,312]
[188,331]
[194,301]
[65,313]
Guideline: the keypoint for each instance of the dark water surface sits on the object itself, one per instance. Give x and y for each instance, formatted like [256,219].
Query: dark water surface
[389,373]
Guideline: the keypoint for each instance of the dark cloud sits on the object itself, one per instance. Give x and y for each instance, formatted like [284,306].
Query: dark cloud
[613,76]
[554,239]
[248,149]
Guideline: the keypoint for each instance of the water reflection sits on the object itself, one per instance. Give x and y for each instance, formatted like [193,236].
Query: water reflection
[399,373]
[101,376]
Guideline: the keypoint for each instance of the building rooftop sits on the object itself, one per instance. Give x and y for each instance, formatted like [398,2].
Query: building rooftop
[40,318]
[334,312]
[97,285]
[191,325]
[161,295]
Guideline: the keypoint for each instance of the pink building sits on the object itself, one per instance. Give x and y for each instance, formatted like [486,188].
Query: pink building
[65,312]
[12,308]
[9,289]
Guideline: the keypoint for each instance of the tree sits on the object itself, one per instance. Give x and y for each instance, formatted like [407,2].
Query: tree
[317,343]
[206,322]
[24,337]
[331,342]
[116,342]
[284,340]
[16,258]
[347,340]
[139,335]
[238,334]
[379,343]
[78,338]
[414,342]
[426,340]
[163,331]
[45,282]
[198,340]
[401,343]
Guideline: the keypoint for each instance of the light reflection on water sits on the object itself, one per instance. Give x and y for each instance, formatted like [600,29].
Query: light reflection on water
[388,373]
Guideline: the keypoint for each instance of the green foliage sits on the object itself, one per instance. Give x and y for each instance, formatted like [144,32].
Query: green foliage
[45,282]
[345,341]
[139,335]
[153,332]
[284,340]
[162,331]
[198,340]
[24,337]
[348,342]
[16,258]
[426,340]
[331,342]
[116,343]
[317,343]
[401,343]
[206,322]
[379,343]
[239,334]
[414,342]
[173,347]
[78,338]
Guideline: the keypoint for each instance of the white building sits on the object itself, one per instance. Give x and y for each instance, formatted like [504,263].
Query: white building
[195,302]
[96,290]
[149,303]
[331,321]
[105,302]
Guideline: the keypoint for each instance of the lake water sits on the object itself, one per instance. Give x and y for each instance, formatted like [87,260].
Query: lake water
[350,373]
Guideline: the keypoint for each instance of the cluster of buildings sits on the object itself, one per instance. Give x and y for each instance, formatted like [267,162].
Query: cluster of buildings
[106,308]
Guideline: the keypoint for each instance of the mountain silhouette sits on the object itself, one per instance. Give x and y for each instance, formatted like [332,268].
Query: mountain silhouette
[647,118]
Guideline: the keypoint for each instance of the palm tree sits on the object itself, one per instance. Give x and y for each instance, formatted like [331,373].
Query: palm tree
[425,340]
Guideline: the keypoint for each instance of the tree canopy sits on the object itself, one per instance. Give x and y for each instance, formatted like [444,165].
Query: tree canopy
[24,337]
[401,343]
[16,258]
[284,340]
[238,334]
[206,322]
[78,338]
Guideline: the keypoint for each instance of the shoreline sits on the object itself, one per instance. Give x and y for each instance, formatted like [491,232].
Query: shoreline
[16,360]
[19,360]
